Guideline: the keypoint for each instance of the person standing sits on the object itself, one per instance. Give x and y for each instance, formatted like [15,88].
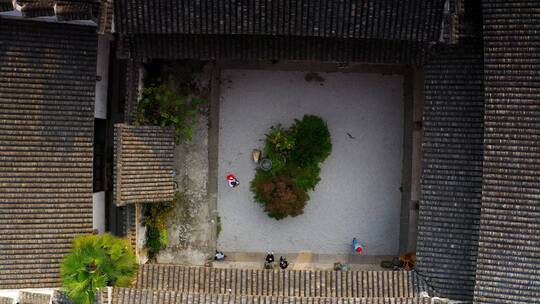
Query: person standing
[358,248]
[283,264]
[269,261]
[269,257]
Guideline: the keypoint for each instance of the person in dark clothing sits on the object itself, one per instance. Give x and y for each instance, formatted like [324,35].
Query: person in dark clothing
[269,257]
[283,264]
[269,261]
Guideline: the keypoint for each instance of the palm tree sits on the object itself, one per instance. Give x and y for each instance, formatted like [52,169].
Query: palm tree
[96,261]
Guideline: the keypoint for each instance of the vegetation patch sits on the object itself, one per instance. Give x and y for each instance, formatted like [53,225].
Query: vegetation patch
[171,97]
[155,216]
[218,226]
[296,154]
[95,262]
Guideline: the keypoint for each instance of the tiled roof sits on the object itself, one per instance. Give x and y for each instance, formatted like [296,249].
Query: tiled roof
[508,268]
[413,20]
[301,283]
[105,16]
[249,47]
[378,31]
[132,79]
[143,164]
[33,298]
[47,71]
[452,16]
[4,300]
[6,5]
[65,10]
[452,169]
[137,296]
[70,10]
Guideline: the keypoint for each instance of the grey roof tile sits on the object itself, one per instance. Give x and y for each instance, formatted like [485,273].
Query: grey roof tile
[47,72]
[413,20]
[263,47]
[452,147]
[508,268]
[143,164]
[378,31]
[292,283]
[136,296]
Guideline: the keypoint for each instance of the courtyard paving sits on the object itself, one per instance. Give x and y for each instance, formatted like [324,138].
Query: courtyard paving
[358,195]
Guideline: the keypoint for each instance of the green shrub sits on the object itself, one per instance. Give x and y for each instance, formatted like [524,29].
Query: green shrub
[296,154]
[96,261]
[280,141]
[166,104]
[281,197]
[278,145]
[155,216]
[306,177]
[313,142]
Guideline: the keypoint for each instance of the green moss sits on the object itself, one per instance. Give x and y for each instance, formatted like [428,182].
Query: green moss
[218,226]
[155,216]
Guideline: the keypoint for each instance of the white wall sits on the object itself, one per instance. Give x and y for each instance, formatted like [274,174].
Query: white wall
[358,195]
[98,211]
[103,71]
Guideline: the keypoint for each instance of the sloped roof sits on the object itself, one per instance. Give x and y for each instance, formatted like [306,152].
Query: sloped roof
[143,164]
[413,20]
[208,47]
[379,31]
[4,300]
[137,296]
[64,10]
[6,5]
[307,283]
[47,71]
[508,268]
[452,147]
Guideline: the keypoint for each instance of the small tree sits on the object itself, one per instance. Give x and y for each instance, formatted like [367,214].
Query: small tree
[96,261]
[281,197]
[296,154]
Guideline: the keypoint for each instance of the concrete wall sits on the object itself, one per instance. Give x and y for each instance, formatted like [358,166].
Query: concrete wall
[98,211]
[103,72]
[358,195]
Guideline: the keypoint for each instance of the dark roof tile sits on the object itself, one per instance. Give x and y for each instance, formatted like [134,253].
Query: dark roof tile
[47,71]
[371,19]
[143,164]
[508,268]
[452,146]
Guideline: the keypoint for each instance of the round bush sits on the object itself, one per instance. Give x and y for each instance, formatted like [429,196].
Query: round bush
[94,262]
[312,141]
[282,197]
[296,154]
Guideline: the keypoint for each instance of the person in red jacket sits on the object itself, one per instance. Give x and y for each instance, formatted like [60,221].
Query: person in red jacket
[233,181]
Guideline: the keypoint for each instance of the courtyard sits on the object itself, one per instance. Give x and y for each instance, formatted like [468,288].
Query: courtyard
[359,192]
[358,195]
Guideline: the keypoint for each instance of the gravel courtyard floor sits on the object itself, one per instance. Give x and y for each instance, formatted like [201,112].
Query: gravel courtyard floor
[358,195]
